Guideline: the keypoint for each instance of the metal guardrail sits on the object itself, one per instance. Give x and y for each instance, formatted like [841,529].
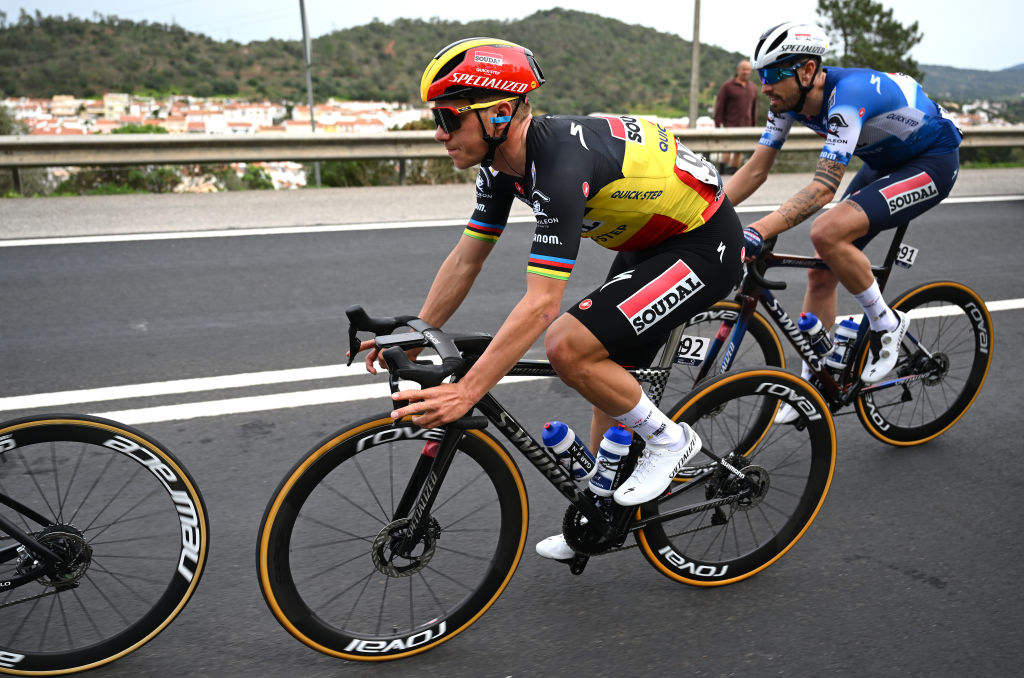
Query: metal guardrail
[166,149]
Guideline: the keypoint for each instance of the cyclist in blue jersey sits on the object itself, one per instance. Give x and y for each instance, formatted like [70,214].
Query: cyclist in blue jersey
[910,159]
[620,181]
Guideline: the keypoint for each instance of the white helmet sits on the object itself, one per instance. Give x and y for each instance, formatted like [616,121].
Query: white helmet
[785,41]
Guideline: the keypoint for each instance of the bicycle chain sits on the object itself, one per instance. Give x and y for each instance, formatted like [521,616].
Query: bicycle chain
[28,598]
[634,545]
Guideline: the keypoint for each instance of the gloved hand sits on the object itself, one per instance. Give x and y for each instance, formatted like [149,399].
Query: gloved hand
[753,242]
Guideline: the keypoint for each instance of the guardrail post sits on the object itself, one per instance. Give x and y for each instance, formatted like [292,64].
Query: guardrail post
[401,172]
[16,180]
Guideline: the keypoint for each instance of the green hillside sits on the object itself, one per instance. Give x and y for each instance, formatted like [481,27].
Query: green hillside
[592,63]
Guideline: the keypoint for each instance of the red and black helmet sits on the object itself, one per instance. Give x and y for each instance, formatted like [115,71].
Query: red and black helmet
[477,67]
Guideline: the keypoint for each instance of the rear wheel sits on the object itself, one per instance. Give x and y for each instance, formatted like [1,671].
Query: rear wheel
[948,351]
[129,526]
[331,563]
[718,528]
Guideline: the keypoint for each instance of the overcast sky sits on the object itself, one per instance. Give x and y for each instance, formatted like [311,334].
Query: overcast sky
[955,34]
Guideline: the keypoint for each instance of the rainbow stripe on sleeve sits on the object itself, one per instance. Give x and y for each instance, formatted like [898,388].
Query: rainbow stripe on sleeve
[481,231]
[551,267]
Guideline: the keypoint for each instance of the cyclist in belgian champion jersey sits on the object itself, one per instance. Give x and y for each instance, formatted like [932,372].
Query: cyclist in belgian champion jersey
[911,159]
[620,181]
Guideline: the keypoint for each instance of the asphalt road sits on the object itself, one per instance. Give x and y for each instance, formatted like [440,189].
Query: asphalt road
[912,568]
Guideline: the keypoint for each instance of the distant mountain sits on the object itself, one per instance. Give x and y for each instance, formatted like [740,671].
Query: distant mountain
[961,84]
[591,62]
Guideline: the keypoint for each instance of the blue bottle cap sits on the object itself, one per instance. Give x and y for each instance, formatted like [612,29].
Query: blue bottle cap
[619,434]
[553,432]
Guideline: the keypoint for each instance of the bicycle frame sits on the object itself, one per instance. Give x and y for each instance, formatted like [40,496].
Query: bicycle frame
[422,489]
[40,552]
[839,390]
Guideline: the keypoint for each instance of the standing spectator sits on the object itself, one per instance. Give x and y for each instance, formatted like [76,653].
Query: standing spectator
[736,106]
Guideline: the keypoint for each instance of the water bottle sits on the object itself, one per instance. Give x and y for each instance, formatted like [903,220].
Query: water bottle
[846,335]
[815,332]
[614,446]
[570,451]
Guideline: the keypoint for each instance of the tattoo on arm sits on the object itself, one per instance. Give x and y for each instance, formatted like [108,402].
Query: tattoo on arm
[823,186]
[829,173]
[799,207]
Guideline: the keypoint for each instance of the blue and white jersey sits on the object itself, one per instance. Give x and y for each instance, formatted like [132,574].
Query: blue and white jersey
[885,119]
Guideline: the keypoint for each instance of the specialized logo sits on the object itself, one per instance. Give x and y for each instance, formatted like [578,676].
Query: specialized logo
[797,48]
[576,130]
[660,297]
[621,277]
[908,192]
[485,82]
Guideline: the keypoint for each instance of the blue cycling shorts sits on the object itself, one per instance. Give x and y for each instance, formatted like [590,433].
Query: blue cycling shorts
[893,198]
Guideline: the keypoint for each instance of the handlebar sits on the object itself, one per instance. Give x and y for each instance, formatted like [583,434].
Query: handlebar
[757,267]
[457,351]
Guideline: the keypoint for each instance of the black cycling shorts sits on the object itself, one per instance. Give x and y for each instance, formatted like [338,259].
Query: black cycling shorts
[892,198]
[649,292]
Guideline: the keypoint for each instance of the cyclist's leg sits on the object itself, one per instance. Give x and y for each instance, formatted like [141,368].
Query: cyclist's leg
[630,317]
[888,202]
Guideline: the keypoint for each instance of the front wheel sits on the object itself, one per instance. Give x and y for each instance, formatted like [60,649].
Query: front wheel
[129,526]
[945,357]
[331,561]
[712,527]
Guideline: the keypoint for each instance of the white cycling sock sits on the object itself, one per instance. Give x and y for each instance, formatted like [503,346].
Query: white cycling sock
[805,371]
[652,424]
[876,310]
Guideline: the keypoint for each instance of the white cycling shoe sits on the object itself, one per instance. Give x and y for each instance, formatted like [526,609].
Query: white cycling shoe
[555,548]
[787,414]
[656,469]
[884,350]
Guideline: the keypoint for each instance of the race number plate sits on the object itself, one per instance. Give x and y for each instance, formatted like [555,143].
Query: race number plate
[906,256]
[691,350]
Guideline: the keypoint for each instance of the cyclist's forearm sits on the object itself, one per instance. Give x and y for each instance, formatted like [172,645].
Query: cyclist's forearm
[523,326]
[805,203]
[452,283]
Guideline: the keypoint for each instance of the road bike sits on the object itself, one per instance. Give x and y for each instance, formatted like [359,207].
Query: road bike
[103,538]
[942,365]
[386,540]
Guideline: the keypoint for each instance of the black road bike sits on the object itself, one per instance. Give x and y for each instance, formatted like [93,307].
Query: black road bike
[386,540]
[103,538]
[942,365]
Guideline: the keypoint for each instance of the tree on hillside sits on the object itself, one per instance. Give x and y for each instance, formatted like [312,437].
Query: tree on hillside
[864,34]
[9,125]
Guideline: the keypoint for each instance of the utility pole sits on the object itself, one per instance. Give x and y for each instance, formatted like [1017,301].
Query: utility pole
[695,65]
[308,49]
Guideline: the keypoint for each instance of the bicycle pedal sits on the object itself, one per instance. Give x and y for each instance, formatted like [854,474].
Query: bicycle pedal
[578,563]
